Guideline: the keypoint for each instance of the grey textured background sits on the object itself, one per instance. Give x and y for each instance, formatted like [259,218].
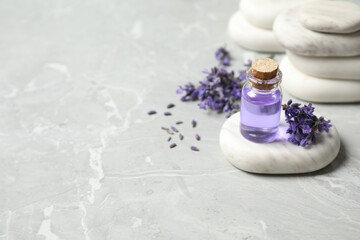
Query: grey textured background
[81,159]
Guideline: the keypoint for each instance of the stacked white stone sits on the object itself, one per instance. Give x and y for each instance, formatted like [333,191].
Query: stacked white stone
[251,26]
[322,41]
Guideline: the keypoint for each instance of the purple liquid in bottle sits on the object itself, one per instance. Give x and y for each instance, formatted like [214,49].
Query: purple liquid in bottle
[261,100]
[260,115]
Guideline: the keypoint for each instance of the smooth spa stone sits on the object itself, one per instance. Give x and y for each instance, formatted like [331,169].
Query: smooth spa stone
[315,89]
[280,156]
[327,67]
[262,13]
[296,38]
[251,37]
[330,16]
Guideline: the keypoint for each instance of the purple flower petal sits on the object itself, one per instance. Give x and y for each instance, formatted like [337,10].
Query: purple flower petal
[197,137]
[152,112]
[170,105]
[193,123]
[174,129]
[193,148]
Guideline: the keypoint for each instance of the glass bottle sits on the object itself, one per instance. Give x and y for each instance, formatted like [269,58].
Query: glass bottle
[261,101]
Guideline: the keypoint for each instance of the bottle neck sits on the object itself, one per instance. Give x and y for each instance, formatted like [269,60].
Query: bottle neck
[264,86]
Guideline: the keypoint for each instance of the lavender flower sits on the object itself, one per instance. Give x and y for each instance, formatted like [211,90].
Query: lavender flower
[170,105]
[165,128]
[152,112]
[181,136]
[169,139]
[197,137]
[219,91]
[303,124]
[172,145]
[179,122]
[193,148]
[223,56]
[167,113]
[193,123]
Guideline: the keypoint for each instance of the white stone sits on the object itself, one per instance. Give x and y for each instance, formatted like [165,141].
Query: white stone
[251,37]
[296,38]
[327,67]
[315,89]
[278,157]
[262,13]
[330,16]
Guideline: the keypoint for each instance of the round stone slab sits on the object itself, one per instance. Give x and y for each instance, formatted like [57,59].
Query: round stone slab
[262,13]
[251,37]
[315,89]
[330,16]
[327,67]
[279,157]
[300,40]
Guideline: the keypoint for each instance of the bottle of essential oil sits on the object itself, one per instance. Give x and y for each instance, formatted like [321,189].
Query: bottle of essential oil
[261,101]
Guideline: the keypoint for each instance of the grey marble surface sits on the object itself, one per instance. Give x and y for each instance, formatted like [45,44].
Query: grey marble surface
[81,159]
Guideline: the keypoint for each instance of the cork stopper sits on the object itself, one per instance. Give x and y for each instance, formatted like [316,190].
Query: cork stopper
[264,68]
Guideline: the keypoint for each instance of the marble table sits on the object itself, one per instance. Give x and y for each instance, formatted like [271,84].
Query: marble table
[81,159]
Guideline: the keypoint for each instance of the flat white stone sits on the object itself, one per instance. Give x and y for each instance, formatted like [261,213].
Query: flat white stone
[251,37]
[262,13]
[279,157]
[315,89]
[296,38]
[327,67]
[330,16]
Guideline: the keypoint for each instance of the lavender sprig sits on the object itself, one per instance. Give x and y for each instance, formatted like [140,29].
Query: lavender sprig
[220,89]
[303,124]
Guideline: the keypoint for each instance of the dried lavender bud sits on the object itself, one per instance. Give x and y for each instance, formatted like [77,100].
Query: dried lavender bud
[193,148]
[248,64]
[193,123]
[165,128]
[172,145]
[197,137]
[179,122]
[167,113]
[170,105]
[170,132]
[152,112]
[303,124]
[223,56]
[169,139]
[174,129]
[181,136]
